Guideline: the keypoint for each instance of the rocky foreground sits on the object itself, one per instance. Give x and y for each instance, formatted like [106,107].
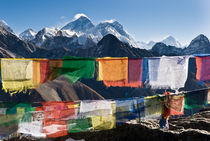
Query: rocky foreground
[196,127]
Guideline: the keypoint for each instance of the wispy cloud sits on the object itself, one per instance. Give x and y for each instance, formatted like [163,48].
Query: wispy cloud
[63,17]
[62,22]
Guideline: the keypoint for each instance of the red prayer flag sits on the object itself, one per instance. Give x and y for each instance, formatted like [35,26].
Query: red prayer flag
[44,70]
[203,68]
[56,115]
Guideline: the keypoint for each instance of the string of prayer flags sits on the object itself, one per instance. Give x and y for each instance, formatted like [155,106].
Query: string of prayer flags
[19,75]
[121,72]
[56,119]
[74,68]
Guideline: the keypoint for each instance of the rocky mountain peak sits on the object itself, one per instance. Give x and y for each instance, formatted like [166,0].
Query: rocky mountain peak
[28,34]
[171,41]
[200,38]
[199,45]
[5,26]
[81,23]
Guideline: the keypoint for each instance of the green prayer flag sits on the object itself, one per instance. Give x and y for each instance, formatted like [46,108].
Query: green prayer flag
[196,99]
[14,113]
[20,108]
[79,125]
[75,68]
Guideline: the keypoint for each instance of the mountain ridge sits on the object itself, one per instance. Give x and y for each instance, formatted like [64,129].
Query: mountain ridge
[84,29]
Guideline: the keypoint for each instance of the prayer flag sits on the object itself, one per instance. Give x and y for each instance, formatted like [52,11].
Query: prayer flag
[196,99]
[79,125]
[203,68]
[16,75]
[153,107]
[75,68]
[168,72]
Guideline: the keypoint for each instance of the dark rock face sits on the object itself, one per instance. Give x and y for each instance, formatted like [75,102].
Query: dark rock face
[113,47]
[71,43]
[10,42]
[199,45]
[12,46]
[160,49]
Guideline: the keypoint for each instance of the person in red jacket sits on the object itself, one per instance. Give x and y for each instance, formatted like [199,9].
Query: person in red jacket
[166,112]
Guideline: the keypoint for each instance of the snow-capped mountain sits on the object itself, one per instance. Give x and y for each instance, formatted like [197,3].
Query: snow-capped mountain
[199,45]
[146,46]
[80,24]
[82,27]
[171,41]
[44,34]
[28,35]
[115,28]
[5,26]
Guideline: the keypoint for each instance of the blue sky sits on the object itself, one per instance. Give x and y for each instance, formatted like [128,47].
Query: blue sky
[145,20]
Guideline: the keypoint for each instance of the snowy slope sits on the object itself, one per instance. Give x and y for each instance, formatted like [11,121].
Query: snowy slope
[28,34]
[171,41]
[85,29]
[5,26]
[146,46]
[44,34]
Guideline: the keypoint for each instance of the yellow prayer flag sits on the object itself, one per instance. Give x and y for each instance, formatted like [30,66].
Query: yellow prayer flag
[113,69]
[105,122]
[16,75]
